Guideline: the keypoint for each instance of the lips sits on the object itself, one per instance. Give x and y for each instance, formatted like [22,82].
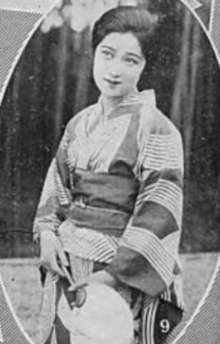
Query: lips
[112,82]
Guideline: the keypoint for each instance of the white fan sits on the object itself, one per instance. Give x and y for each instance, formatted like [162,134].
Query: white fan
[104,318]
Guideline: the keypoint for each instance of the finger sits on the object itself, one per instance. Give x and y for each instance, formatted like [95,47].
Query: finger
[68,276]
[62,257]
[54,267]
[78,286]
[44,262]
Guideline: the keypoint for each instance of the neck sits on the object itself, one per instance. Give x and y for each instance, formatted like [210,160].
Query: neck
[109,103]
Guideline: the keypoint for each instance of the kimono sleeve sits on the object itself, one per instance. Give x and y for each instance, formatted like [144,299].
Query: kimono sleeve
[147,258]
[55,196]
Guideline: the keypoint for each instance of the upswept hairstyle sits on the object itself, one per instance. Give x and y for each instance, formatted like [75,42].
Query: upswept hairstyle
[124,19]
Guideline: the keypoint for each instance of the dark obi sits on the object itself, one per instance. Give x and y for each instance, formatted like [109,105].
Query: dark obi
[102,201]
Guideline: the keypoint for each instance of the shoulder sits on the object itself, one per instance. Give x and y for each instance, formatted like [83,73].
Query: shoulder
[73,125]
[154,122]
[80,117]
[152,119]
[160,137]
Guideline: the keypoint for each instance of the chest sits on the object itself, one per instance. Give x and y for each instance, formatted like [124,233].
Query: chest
[104,145]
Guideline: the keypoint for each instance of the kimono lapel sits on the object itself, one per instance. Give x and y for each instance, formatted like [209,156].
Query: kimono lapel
[98,139]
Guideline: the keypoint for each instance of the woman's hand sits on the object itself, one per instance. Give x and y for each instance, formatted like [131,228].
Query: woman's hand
[52,255]
[100,277]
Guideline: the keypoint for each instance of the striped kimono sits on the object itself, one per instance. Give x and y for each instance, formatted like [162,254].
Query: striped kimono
[113,192]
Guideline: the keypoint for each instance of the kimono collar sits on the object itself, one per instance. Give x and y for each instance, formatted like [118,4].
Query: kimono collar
[143,97]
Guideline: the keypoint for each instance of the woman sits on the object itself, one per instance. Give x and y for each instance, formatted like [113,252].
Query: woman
[111,205]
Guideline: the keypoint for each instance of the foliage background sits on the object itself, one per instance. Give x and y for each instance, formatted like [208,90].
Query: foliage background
[53,81]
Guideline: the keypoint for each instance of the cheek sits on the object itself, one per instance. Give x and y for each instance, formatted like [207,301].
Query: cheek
[98,69]
[134,76]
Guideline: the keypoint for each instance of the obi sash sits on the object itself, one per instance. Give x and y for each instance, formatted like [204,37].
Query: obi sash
[102,201]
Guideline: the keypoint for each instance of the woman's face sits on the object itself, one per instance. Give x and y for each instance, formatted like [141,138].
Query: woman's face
[118,64]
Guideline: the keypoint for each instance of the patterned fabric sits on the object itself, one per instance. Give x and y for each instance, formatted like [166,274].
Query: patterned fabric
[10,327]
[1,336]
[134,141]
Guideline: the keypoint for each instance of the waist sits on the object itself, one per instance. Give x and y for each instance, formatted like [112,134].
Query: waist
[102,201]
[105,190]
[106,220]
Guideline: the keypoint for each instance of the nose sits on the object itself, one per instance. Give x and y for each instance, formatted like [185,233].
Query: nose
[115,69]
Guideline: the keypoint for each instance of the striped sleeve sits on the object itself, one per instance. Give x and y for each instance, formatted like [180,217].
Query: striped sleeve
[55,196]
[148,256]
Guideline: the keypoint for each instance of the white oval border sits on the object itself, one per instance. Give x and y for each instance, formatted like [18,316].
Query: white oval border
[42,8]
[16,321]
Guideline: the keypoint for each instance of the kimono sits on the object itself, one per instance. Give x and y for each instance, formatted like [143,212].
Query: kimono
[113,193]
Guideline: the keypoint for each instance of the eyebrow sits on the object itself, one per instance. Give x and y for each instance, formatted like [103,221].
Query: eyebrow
[127,52]
[108,47]
[133,54]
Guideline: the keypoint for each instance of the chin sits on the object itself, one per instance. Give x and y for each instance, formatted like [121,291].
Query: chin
[114,92]
[111,94]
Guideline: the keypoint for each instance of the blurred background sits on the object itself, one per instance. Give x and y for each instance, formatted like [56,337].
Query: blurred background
[53,81]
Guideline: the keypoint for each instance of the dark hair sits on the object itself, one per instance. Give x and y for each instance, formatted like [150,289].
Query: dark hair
[124,19]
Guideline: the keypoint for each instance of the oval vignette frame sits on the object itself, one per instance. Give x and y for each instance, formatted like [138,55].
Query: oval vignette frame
[19,19]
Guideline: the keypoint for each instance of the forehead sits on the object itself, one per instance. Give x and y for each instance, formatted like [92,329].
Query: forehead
[124,42]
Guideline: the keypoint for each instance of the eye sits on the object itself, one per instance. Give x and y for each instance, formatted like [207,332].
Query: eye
[107,54]
[131,61]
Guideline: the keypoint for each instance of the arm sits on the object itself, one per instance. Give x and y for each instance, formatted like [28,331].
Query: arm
[55,196]
[147,258]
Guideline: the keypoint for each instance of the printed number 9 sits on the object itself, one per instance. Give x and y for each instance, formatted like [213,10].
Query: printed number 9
[164,325]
